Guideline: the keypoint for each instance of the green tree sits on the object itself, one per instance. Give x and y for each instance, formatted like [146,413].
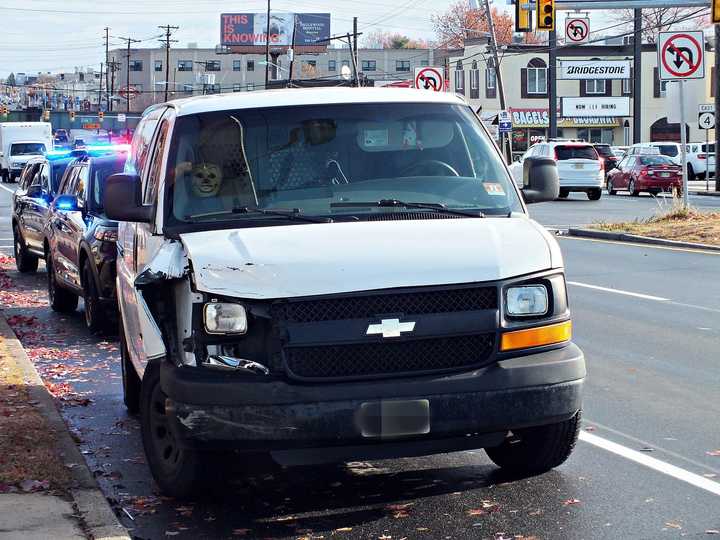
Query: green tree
[10,81]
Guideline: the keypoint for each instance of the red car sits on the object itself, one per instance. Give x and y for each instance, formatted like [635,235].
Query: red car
[651,173]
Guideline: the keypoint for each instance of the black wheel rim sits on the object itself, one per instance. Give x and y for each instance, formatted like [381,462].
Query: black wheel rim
[165,447]
[89,302]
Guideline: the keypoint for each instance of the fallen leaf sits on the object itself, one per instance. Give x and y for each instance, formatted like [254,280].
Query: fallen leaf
[476,512]
[712,531]
[344,529]
[673,525]
[571,501]
[715,453]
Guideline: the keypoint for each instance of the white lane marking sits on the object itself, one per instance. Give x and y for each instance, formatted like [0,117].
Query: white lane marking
[7,189]
[618,291]
[652,445]
[652,463]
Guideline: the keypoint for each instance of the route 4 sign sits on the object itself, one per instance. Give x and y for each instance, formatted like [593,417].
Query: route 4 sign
[681,55]
[706,116]
[577,30]
[430,78]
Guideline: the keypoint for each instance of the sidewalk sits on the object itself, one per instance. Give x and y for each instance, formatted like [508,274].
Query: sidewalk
[46,489]
[698,187]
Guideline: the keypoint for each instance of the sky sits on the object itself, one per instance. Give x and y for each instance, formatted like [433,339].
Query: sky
[59,35]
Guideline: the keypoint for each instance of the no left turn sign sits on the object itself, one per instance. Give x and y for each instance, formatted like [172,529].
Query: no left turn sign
[429,78]
[681,55]
[577,30]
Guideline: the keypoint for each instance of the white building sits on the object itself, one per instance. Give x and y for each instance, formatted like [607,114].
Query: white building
[524,70]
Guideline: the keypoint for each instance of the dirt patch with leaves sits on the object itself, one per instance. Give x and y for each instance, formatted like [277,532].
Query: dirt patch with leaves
[28,457]
[677,223]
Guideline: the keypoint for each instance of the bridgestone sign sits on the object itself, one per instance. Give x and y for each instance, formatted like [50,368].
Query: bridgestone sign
[594,69]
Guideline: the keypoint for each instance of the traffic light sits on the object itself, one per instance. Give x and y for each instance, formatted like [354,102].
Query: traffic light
[46,115]
[546,15]
[4,110]
[72,116]
[523,17]
[716,12]
[101,115]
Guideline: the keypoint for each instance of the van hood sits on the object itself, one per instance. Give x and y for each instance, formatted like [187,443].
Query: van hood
[305,260]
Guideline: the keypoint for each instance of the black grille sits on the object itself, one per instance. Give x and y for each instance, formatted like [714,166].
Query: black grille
[388,358]
[408,303]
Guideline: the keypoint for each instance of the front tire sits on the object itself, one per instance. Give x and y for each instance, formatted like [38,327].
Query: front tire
[95,319]
[537,449]
[24,261]
[176,469]
[610,188]
[564,194]
[594,194]
[691,172]
[61,300]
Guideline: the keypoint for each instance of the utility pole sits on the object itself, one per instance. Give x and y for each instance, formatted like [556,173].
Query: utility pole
[507,150]
[168,30]
[717,107]
[637,78]
[127,67]
[267,48]
[355,41]
[101,87]
[113,67]
[107,63]
[552,85]
[292,52]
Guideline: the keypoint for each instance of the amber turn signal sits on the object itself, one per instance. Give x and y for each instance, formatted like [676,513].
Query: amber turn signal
[536,337]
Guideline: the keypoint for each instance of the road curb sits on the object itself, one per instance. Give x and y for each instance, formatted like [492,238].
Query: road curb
[637,239]
[705,193]
[98,518]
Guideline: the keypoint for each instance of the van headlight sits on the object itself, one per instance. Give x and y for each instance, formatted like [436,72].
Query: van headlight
[526,301]
[225,318]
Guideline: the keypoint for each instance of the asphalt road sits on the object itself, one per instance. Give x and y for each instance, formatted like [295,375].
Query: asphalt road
[648,321]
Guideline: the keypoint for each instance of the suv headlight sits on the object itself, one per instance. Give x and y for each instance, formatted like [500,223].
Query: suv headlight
[225,318]
[526,301]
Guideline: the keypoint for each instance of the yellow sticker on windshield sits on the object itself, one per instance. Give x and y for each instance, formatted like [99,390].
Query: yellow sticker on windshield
[493,188]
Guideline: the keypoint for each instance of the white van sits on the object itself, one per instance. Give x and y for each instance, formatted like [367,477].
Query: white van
[338,274]
[20,142]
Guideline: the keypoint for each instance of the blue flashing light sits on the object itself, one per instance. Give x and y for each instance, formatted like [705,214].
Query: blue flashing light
[57,153]
[107,148]
[65,206]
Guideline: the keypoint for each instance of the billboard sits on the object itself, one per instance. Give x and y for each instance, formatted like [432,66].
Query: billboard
[247,32]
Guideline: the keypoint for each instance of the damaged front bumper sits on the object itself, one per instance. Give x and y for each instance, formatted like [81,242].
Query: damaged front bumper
[303,424]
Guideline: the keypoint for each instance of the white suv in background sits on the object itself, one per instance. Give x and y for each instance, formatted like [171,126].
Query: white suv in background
[579,166]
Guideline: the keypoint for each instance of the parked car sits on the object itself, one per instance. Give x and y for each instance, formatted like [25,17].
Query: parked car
[30,206]
[620,151]
[19,143]
[609,159]
[306,273]
[80,242]
[651,173]
[579,166]
[700,156]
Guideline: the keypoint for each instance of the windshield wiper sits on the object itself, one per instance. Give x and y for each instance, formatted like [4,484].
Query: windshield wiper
[293,214]
[394,203]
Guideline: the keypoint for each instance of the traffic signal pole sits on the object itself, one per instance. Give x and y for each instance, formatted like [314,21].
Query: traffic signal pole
[637,78]
[552,86]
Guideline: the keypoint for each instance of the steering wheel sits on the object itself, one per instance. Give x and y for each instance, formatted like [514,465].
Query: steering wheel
[426,167]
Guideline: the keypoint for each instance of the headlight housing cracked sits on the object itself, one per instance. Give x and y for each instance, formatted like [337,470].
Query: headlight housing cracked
[225,318]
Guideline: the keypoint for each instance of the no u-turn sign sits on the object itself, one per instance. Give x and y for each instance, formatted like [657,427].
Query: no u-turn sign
[681,55]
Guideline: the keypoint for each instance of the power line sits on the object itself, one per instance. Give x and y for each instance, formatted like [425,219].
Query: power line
[168,30]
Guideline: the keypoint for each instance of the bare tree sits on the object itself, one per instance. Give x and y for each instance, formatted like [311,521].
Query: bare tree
[380,39]
[656,20]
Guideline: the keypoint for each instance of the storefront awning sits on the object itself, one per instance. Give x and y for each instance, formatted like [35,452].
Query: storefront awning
[539,118]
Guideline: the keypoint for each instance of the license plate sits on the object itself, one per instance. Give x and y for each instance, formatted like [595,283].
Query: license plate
[394,418]
[579,165]
[665,175]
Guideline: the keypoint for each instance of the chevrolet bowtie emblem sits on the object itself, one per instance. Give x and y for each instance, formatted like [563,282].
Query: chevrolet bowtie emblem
[390,328]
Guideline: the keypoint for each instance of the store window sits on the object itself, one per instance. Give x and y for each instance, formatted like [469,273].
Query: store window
[595,86]
[534,79]
[597,135]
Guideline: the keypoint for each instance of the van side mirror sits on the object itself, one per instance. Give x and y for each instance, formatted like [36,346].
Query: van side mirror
[541,182]
[121,199]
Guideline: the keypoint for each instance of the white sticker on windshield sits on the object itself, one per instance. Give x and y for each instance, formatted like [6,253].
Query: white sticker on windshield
[492,188]
[410,135]
[375,137]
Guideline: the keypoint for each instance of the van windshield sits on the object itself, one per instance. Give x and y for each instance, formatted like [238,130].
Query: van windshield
[27,149]
[327,160]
